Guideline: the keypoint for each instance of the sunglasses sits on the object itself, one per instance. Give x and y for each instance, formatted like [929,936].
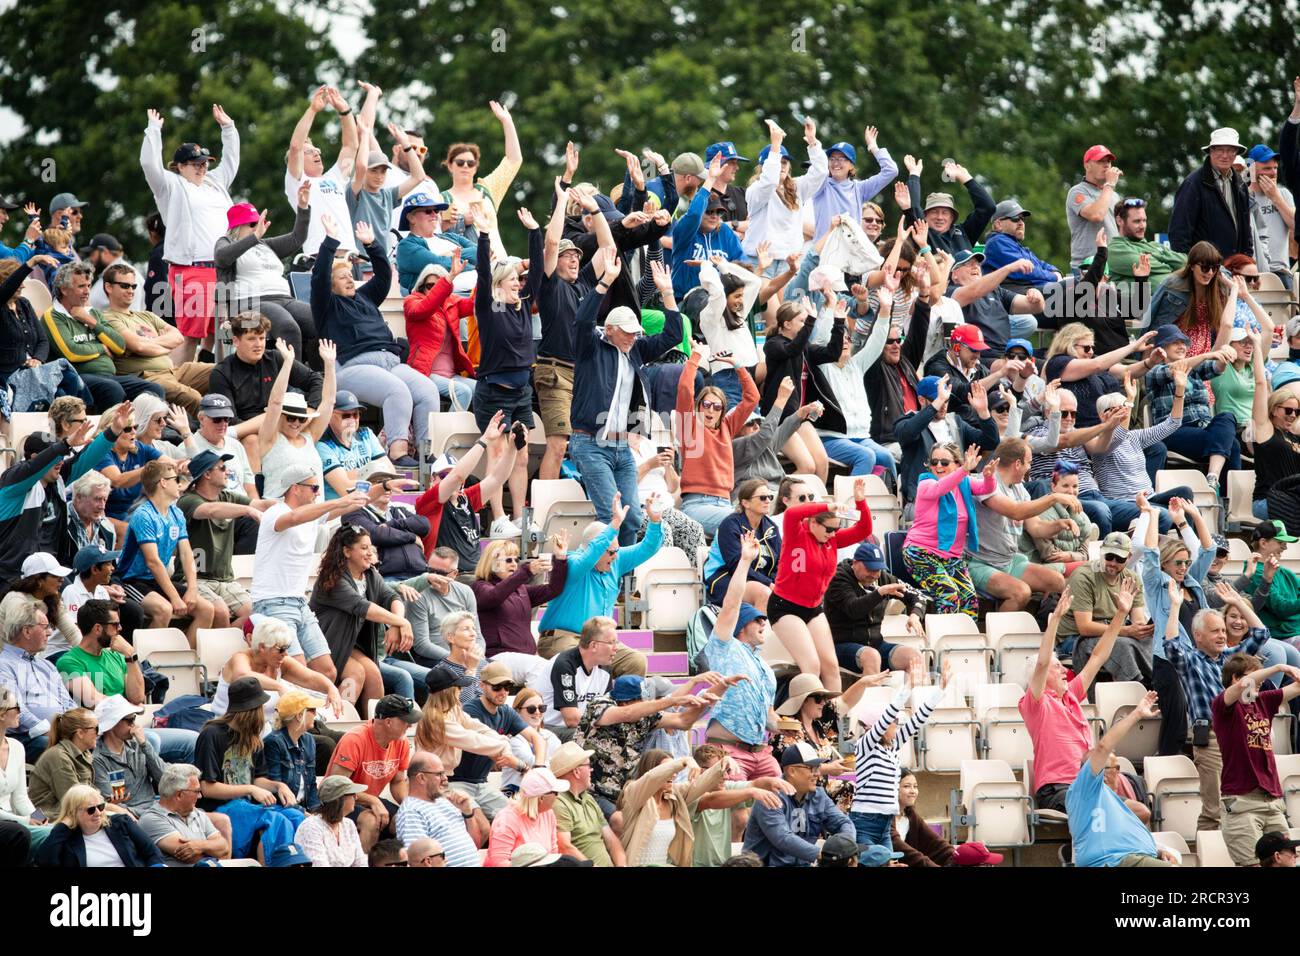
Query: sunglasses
[805,498]
[398,863]
[432,856]
[1134,203]
[509,559]
[1066,414]
[97,809]
[1207,267]
[1115,558]
[294,418]
[170,478]
[765,497]
[465,163]
[1086,348]
[356,415]
[504,685]
[893,341]
[872,221]
[534,709]
[422,150]
[710,405]
[313,487]
[942,461]
[125,285]
[1289,412]
[828,528]
[128,430]
[1181,562]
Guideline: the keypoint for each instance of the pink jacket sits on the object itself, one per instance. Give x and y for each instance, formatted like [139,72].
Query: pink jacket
[924,532]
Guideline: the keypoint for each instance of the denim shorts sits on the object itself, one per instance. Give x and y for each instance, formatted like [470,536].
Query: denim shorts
[309,639]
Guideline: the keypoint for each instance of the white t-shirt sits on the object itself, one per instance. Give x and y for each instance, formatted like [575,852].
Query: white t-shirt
[328,195]
[654,483]
[575,685]
[238,471]
[75,595]
[283,559]
[100,850]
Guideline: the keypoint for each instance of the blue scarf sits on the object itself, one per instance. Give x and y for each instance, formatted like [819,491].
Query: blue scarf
[946,525]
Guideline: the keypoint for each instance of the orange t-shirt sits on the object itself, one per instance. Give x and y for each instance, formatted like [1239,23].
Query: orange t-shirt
[359,755]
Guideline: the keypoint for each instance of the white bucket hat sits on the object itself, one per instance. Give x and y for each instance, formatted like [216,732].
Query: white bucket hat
[1224,136]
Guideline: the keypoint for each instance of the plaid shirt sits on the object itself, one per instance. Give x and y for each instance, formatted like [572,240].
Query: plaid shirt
[1203,675]
[1196,401]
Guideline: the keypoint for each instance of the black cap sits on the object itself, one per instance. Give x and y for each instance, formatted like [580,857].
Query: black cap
[395,705]
[190,153]
[8,203]
[102,240]
[37,442]
[442,677]
[1273,842]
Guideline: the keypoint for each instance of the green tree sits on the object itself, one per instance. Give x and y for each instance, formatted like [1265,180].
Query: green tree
[83,76]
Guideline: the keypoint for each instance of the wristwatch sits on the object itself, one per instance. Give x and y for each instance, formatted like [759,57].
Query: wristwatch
[133,659]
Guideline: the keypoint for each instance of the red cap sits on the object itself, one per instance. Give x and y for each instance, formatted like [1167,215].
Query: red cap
[969,336]
[975,854]
[1096,153]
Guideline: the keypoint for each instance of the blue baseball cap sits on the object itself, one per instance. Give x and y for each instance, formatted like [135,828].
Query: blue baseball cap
[1019,344]
[1167,334]
[289,854]
[419,200]
[93,555]
[748,614]
[767,151]
[870,555]
[845,149]
[928,387]
[345,401]
[627,687]
[1261,154]
[877,855]
[727,149]
[964,256]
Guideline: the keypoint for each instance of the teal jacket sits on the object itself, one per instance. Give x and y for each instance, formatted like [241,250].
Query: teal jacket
[22,501]
[590,593]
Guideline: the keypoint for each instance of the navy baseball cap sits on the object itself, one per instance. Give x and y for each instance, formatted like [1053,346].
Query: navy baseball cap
[190,153]
[727,149]
[965,256]
[845,149]
[1261,154]
[1167,334]
[767,150]
[748,614]
[216,406]
[870,555]
[93,555]
[201,463]
[419,200]
[345,401]
[628,687]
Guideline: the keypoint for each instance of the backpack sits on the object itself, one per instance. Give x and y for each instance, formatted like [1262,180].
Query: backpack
[698,630]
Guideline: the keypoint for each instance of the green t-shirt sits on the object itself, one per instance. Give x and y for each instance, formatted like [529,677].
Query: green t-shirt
[107,671]
[212,539]
[1235,392]
[580,817]
[713,830]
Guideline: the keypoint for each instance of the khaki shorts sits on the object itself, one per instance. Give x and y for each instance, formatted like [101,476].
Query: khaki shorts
[554,386]
[230,593]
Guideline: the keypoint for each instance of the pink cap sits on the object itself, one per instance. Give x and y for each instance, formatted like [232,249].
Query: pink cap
[1096,153]
[241,214]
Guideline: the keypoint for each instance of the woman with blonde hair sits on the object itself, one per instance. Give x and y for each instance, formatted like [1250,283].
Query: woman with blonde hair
[776,200]
[1087,376]
[506,600]
[530,706]
[657,828]
[529,818]
[68,759]
[445,729]
[85,835]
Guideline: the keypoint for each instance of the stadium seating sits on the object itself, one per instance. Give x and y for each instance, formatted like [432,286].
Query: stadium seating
[216,644]
[1288,773]
[1175,792]
[1114,700]
[1176,841]
[1211,850]
[991,807]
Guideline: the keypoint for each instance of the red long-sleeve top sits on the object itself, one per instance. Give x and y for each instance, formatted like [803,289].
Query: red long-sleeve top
[707,464]
[807,565]
[429,317]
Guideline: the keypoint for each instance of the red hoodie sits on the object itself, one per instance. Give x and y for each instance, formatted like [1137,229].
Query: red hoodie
[429,316]
[807,565]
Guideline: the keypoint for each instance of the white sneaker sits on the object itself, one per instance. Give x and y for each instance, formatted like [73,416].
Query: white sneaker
[503,527]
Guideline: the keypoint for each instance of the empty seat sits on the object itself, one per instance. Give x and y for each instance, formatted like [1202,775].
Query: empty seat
[1175,790]
[1003,732]
[1176,841]
[1241,494]
[671,597]
[148,640]
[216,645]
[948,739]
[672,557]
[1288,774]
[996,805]
[813,481]
[545,492]
[184,673]
[1114,700]
[1211,850]
[242,567]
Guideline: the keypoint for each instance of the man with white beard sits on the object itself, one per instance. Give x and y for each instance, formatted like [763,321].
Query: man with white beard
[349,452]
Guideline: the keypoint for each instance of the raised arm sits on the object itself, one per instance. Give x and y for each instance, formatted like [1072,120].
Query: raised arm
[328,357]
[1047,646]
[1101,653]
[724,626]
[270,426]
[298,138]
[1145,710]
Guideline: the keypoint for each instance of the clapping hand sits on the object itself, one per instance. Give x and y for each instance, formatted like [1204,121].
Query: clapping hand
[364,233]
[527,219]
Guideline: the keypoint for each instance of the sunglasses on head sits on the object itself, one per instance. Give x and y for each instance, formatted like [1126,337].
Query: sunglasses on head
[1134,203]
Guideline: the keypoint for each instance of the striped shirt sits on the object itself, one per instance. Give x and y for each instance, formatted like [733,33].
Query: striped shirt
[876,766]
[1121,470]
[440,819]
[1203,675]
[1043,463]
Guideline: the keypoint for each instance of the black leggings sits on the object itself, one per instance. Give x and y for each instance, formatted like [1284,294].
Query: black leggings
[1173,707]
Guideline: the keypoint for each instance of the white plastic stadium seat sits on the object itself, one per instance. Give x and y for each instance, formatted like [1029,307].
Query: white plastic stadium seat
[216,645]
[1211,850]
[1175,841]
[1175,790]
[672,557]
[1114,700]
[1288,773]
[1003,730]
[1206,501]
[672,596]
[948,739]
[996,804]
[1241,491]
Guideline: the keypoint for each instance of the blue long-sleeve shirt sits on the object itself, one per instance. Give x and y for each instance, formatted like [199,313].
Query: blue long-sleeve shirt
[590,593]
[413,254]
[788,836]
[689,243]
[1001,250]
[353,322]
[22,252]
